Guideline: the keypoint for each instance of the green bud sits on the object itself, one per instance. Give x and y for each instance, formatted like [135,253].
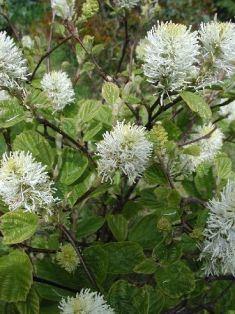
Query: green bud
[67,258]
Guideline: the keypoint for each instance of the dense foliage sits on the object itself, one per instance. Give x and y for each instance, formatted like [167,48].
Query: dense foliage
[117,137]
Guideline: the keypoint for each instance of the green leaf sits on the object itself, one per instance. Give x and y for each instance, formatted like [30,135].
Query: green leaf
[92,131]
[167,254]
[74,165]
[204,180]
[96,260]
[175,280]
[192,150]
[88,109]
[123,256]
[15,277]
[223,166]
[126,298]
[197,104]
[31,305]
[145,232]
[89,225]
[89,8]
[18,226]
[110,92]
[148,266]
[37,145]
[119,226]
[11,113]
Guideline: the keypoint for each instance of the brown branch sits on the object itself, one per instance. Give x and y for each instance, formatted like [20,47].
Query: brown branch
[72,240]
[7,137]
[52,283]
[14,31]
[66,136]
[125,43]
[43,57]
[160,111]
[199,138]
[71,28]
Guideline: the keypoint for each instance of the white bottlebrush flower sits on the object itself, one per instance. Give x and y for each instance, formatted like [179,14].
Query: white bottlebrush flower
[218,49]
[126,149]
[13,68]
[171,56]
[63,8]
[85,302]
[24,183]
[218,249]
[27,42]
[59,89]
[209,147]
[228,110]
[129,4]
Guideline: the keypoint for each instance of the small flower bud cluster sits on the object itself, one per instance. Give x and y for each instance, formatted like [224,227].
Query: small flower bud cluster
[67,258]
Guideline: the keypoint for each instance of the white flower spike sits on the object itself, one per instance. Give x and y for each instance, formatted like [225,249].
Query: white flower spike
[128,4]
[12,65]
[218,49]
[218,249]
[126,149]
[171,56]
[59,89]
[85,302]
[228,110]
[24,183]
[209,147]
[63,8]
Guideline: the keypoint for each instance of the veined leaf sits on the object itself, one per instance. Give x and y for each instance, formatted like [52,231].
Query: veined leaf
[15,277]
[197,104]
[110,92]
[118,225]
[11,113]
[18,226]
[74,165]
[36,144]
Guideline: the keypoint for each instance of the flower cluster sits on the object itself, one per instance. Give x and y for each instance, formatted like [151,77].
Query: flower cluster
[210,141]
[126,149]
[170,56]
[12,65]
[129,4]
[218,49]
[24,183]
[86,302]
[175,57]
[63,8]
[229,111]
[58,88]
[218,249]
[67,258]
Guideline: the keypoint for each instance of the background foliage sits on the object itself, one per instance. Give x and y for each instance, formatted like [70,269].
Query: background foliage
[141,243]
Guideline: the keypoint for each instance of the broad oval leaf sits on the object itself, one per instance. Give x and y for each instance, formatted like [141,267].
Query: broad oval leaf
[18,226]
[197,104]
[175,280]
[15,277]
[110,92]
[118,226]
[126,298]
[74,165]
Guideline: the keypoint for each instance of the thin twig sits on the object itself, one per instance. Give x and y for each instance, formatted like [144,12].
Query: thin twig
[43,57]
[68,137]
[125,43]
[49,40]
[71,239]
[70,27]
[14,31]
[52,283]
